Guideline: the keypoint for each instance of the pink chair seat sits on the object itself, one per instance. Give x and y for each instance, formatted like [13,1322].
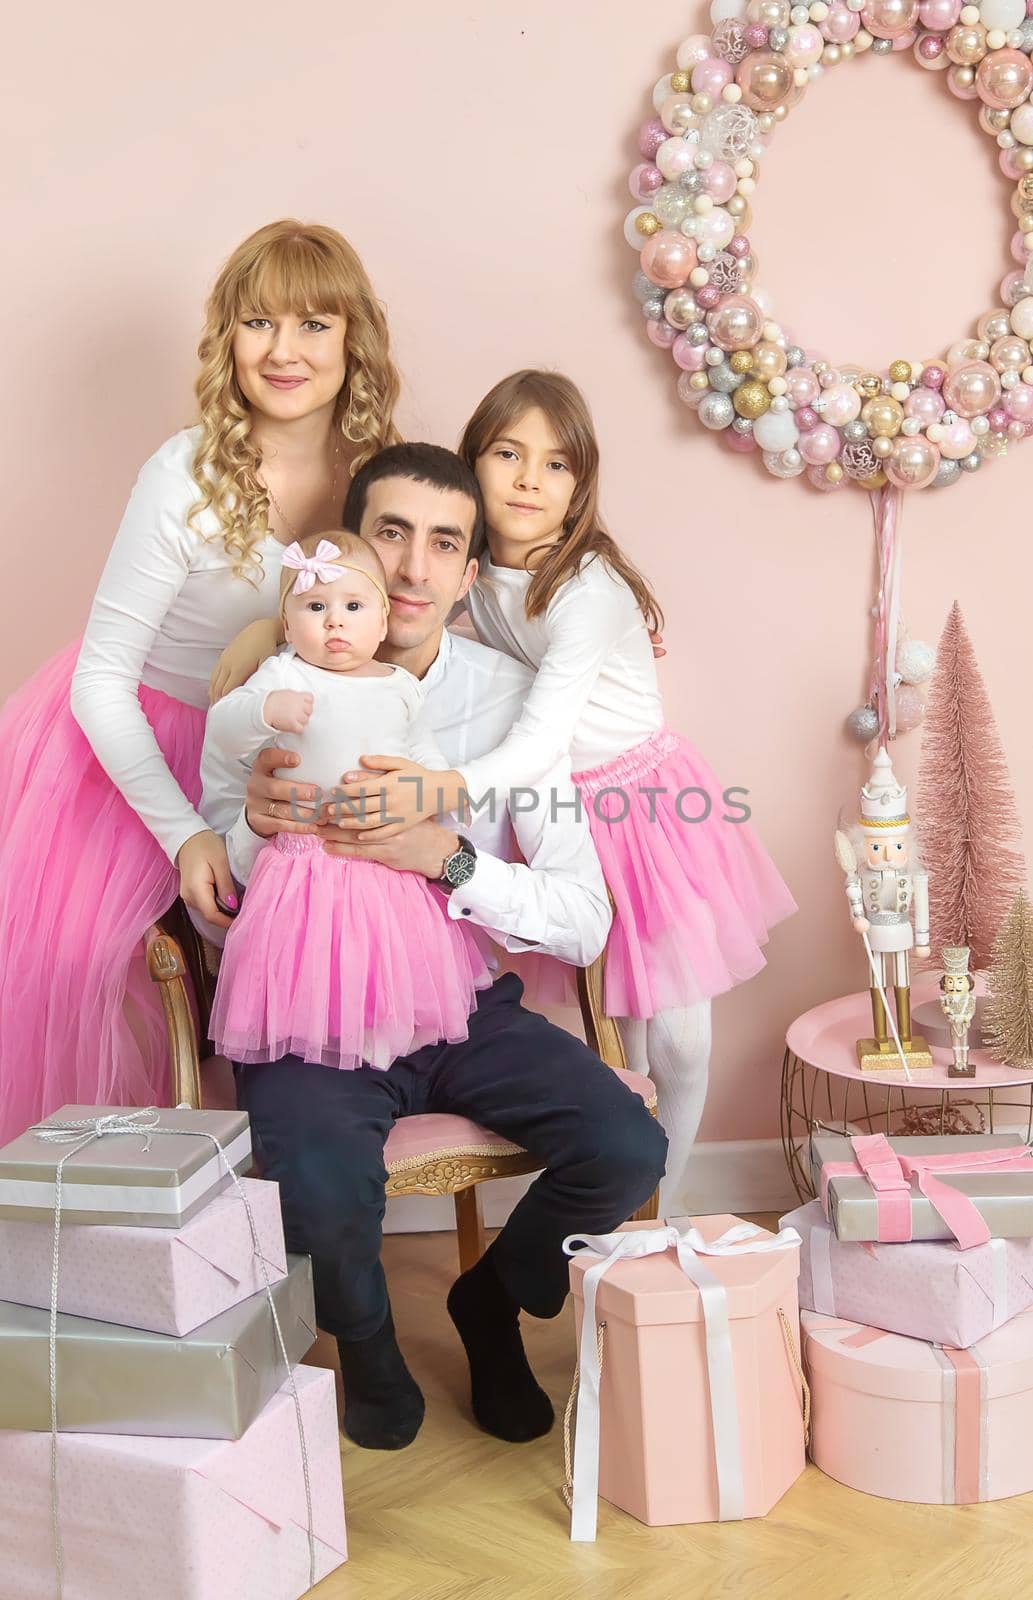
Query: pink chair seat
[437,1135]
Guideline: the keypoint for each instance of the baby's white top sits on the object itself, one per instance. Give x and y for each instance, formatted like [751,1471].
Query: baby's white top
[166,607]
[596,693]
[351,716]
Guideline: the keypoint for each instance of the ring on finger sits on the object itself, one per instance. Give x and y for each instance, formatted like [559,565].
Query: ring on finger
[272,808]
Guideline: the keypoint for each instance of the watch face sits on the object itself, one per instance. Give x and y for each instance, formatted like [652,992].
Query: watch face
[459,869]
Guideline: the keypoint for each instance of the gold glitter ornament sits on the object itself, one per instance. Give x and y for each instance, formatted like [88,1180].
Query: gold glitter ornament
[681,83]
[740,361]
[647,223]
[752,399]
[900,371]
[868,386]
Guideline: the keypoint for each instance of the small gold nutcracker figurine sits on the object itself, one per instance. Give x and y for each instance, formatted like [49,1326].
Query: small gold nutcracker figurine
[958,1004]
[884,892]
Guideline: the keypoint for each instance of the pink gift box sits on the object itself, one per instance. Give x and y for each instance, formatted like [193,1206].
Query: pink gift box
[908,1420]
[657,1451]
[178,1519]
[158,1279]
[930,1290]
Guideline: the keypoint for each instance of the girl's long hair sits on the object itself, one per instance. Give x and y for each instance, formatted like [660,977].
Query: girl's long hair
[301,268]
[584,534]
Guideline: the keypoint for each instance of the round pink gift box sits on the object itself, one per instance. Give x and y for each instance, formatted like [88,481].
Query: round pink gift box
[907,1420]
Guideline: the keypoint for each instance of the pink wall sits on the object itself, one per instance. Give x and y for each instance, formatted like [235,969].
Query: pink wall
[476,155]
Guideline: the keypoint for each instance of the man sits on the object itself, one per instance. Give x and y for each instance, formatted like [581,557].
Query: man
[321,1132]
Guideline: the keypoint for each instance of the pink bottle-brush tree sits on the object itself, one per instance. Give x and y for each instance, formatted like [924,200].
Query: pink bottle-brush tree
[971,838]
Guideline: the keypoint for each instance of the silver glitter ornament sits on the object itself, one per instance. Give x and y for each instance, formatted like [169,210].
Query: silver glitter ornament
[724,379]
[716,411]
[741,425]
[794,356]
[947,472]
[643,288]
[653,310]
[863,723]
[971,463]
[881,47]
[854,431]
[697,334]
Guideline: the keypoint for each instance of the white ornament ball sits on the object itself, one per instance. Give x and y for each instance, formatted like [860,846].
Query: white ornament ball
[1003,14]
[776,430]
[1022,318]
[915,660]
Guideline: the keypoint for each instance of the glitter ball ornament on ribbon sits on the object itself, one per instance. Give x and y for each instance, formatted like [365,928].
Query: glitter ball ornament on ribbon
[918,424]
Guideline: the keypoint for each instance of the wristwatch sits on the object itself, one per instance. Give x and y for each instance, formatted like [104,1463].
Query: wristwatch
[459,867]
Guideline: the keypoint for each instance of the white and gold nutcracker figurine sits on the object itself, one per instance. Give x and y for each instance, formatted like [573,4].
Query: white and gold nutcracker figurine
[885,891]
[958,1004]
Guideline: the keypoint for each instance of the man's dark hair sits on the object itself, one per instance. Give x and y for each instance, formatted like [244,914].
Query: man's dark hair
[420,463]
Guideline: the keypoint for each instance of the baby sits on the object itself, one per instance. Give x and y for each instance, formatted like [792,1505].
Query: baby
[337,960]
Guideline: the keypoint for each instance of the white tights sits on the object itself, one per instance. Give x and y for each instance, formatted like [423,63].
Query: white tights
[673,1048]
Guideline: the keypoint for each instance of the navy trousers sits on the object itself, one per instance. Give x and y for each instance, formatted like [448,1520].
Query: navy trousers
[320,1134]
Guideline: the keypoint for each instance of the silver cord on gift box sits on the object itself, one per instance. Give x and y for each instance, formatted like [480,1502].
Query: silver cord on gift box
[80,1134]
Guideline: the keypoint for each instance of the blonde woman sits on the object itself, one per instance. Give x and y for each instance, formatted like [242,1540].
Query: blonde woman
[99,829]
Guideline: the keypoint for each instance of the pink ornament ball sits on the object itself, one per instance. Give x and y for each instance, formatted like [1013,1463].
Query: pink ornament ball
[933,376]
[930,48]
[806,419]
[910,707]
[668,258]
[708,297]
[719,181]
[938,15]
[1019,402]
[998,419]
[972,389]
[741,443]
[912,463]
[819,445]
[690,357]
[651,136]
[841,24]
[661,334]
[711,76]
[926,405]
[1003,79]
[739,247]
[889,19]
[958,440]
[645,180]
[1008,161]
[756,36]
[802,387]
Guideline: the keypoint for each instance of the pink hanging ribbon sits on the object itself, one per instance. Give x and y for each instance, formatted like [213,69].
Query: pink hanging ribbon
[890,1174]
[882,691]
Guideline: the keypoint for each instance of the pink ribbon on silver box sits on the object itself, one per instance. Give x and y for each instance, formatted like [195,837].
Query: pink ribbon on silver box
[889,1175]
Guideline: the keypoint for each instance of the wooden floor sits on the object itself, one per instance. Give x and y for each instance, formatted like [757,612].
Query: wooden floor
[462,1516]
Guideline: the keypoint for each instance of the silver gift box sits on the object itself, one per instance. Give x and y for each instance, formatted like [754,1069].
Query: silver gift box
[209,1384]
[1003,1199]
[141,1179]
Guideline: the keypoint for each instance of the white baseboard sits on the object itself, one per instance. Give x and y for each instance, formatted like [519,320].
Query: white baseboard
[733,1175]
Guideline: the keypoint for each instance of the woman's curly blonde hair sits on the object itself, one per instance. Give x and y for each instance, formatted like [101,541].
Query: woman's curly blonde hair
[301,268]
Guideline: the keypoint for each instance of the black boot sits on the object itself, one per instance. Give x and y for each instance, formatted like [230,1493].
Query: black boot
[383,1405]
[507,1401]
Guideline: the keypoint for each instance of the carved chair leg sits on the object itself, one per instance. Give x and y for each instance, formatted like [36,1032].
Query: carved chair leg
[167,967]
[469,1226]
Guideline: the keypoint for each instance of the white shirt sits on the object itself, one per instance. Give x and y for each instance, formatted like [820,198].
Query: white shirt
[595,695]
[166,607]
[351,716]
[557,903]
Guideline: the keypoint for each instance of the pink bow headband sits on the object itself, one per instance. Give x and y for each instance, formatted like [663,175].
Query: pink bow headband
[325,566]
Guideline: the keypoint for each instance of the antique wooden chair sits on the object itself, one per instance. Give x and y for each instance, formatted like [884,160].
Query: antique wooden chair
[430,1154]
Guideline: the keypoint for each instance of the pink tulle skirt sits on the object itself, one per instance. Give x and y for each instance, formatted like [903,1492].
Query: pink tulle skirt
[342,962]
[81,880]
[694,901]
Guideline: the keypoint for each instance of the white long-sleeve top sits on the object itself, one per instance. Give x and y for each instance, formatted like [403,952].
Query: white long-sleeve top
[595,694]
[351,716]
[555,900]
[166,607]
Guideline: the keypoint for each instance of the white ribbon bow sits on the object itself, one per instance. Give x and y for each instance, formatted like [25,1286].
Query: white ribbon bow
[690,1245]
[325,565]
[144,1123]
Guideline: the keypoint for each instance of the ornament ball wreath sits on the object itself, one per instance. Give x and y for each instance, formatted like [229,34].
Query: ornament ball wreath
[920,423]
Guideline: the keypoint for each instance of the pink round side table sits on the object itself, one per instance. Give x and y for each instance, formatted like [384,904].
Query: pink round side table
[823,1084]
